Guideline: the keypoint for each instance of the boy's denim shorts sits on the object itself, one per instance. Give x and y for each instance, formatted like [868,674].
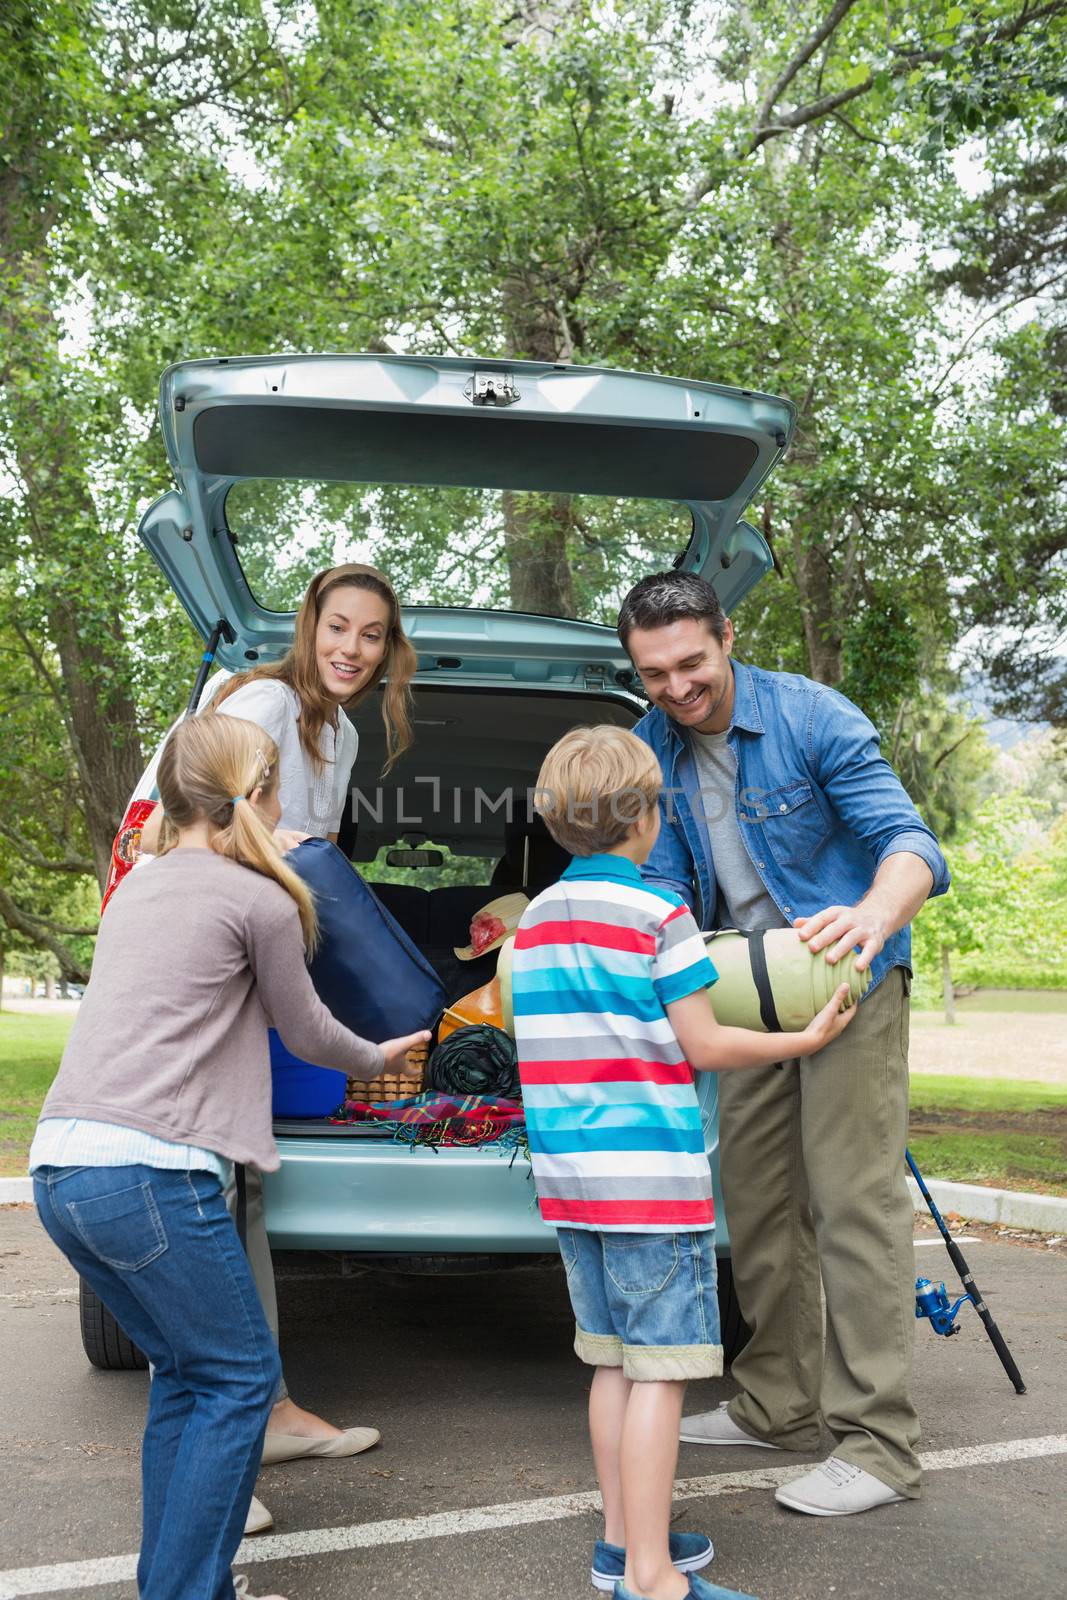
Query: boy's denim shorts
[645,1302]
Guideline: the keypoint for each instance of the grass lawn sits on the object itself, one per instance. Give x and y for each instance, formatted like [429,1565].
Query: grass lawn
[30,1048]
[1005,1132]
[1003,1161]
[930,1092]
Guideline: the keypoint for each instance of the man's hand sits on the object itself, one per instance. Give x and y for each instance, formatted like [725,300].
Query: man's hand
[849,926]
[900,886]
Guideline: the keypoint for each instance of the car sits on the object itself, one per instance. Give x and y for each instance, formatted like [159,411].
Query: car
[282,464]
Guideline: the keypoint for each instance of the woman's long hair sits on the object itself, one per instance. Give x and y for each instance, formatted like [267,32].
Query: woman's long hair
[209,768]
[299,668]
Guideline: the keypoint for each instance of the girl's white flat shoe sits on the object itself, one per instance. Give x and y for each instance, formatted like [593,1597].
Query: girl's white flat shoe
[240,1589]
[259,1518]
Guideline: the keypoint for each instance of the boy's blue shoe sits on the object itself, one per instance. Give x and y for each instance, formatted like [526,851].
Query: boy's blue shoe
[689,1552]
[699,1589]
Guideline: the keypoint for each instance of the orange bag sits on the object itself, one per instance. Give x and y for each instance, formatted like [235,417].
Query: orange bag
[481,1005]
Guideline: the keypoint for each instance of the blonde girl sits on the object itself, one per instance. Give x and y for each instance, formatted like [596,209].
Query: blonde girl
[165,1082]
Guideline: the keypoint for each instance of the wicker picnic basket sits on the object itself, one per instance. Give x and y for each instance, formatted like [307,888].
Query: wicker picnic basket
[394,1085]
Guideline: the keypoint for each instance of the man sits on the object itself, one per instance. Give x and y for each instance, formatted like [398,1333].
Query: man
[779,811]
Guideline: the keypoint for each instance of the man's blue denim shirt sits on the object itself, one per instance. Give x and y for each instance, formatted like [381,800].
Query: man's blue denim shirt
[818,805]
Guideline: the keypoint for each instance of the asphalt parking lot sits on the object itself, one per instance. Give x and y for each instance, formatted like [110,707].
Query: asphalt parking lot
[482,1486]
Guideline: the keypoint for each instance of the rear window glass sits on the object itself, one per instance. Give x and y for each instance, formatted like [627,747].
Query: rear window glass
[450,870]
[452,547]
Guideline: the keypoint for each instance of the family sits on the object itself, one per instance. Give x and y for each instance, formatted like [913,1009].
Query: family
[744,798]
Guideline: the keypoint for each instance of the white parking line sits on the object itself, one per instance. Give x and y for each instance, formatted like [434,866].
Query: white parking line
[963,1238]
[67,1575]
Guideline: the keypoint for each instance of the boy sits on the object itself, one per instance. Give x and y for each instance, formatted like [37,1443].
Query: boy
[611,1019]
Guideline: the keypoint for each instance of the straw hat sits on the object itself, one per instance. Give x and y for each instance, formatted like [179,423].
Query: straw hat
[493,924]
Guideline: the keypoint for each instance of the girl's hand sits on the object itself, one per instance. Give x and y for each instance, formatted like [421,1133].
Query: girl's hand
[828,1025]
[394,1050]
[288,838]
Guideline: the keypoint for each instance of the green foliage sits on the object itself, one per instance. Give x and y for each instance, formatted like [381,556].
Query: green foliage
[1006,914]
[984,971]
[640,187]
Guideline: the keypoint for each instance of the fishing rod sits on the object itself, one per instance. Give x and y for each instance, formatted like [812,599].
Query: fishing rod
[932,1302]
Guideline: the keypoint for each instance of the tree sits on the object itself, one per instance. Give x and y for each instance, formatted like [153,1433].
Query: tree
[718,194]
[992,889]
[93,98]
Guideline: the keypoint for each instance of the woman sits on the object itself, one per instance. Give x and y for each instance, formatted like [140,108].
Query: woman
[348,637]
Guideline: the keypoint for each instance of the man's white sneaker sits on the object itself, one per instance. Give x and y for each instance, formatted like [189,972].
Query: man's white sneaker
[836,1488]
[718,1427]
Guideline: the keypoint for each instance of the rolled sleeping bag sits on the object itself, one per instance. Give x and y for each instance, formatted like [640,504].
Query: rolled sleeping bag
[771,982]
[476,1059]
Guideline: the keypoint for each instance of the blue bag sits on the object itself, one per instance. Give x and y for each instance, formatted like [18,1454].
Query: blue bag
[366,971]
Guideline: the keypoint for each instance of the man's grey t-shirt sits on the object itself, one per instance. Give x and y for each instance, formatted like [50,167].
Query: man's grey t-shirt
[741,892]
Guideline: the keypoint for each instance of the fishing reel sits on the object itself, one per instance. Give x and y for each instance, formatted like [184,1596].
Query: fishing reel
[932,1302]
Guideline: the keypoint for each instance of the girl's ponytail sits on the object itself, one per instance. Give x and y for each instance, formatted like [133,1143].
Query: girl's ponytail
[209,769]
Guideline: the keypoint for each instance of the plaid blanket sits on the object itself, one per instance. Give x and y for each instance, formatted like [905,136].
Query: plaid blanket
[437,1119]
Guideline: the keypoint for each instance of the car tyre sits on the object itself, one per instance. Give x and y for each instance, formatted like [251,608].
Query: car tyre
[103,1340]
[735,1331]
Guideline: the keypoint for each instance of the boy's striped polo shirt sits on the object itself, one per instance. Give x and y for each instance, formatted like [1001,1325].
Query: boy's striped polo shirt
[615,1131]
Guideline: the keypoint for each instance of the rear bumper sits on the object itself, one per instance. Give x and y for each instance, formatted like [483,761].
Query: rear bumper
[373,1195]
[376,1195]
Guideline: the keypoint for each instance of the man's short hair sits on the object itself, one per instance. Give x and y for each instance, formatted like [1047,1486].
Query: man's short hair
[666,597]
[594,784]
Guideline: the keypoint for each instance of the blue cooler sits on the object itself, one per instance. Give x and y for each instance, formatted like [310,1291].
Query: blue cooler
[301,1090]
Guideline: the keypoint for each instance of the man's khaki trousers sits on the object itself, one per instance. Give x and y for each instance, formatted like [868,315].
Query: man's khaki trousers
[813,1179]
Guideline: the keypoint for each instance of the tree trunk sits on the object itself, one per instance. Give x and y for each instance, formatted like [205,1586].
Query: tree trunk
[535,538]
[822,635]
[947,989]
[536,526]
[82,624]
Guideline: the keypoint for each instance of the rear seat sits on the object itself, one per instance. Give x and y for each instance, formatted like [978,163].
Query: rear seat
[439,921]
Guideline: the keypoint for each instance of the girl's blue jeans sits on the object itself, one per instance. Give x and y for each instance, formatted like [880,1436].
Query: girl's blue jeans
[161,1251]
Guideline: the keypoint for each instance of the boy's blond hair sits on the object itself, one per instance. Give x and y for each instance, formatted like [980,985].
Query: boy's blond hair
[594,784]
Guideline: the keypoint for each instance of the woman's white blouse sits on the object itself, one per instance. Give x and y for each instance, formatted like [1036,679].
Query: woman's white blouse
[312,802]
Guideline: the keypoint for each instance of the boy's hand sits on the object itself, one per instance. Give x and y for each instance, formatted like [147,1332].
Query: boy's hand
[830,1023]
[394,1050]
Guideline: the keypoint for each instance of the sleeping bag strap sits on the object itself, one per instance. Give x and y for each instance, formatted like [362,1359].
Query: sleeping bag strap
[757,957]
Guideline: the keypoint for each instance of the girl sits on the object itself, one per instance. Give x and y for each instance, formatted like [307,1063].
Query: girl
[348,637]
[163,1084]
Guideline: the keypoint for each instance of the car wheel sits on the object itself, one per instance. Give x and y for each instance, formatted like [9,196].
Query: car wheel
[735,1333]
[103,1340]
